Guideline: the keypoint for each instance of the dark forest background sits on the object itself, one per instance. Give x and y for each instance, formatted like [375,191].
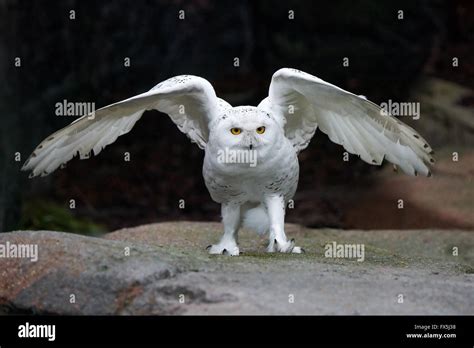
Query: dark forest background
[82,59]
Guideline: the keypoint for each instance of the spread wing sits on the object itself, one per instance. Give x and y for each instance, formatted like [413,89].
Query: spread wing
[304,102]
[190,101]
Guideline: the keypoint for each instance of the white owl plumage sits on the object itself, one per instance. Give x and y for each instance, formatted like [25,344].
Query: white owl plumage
[275,132]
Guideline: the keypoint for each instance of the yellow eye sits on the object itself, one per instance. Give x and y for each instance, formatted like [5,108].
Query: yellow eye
[236,131]
[261,130]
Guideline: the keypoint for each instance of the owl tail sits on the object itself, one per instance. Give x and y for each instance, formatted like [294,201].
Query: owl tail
[256,219]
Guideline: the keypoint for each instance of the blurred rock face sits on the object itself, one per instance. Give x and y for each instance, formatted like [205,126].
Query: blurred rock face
[448,110]
[104,52]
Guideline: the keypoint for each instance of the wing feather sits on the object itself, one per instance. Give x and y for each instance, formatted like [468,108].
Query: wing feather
[190,101]
[349,120]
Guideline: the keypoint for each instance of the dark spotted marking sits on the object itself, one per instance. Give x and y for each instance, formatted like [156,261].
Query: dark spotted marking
[416,136]
[297,71]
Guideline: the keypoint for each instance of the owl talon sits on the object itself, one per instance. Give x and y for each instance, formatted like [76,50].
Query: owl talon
[285,247]
[220,249]
[297,250]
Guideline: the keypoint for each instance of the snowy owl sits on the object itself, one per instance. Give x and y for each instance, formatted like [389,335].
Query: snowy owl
[251,153]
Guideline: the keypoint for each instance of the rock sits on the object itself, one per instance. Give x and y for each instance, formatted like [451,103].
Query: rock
[443,201]
[169,272]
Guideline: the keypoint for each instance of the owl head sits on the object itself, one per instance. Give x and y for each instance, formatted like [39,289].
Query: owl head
[243,129]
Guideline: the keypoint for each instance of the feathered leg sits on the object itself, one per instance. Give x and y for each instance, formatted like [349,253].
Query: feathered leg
[276,212]
[231,221]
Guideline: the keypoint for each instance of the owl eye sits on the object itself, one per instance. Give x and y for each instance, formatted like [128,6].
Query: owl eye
[236,131]
[261,130]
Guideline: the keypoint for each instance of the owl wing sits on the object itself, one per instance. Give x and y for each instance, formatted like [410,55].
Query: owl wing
[303,102]
[190,101]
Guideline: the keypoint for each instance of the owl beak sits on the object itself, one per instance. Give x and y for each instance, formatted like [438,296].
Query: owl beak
[250,146]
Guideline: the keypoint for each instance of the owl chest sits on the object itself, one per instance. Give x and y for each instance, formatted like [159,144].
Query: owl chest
[252,185]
